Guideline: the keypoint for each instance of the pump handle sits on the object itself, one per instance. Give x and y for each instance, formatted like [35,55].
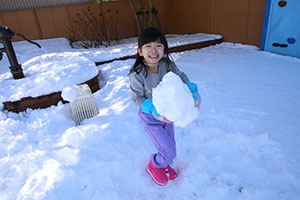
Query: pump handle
[30,41]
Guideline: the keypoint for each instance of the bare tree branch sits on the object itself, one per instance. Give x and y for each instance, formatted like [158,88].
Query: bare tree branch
[135,16]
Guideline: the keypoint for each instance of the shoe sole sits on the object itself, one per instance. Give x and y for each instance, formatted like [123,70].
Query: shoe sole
[161,184]
[172,178]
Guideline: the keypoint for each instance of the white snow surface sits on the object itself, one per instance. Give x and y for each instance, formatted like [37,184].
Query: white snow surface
[243,145]
[173,100]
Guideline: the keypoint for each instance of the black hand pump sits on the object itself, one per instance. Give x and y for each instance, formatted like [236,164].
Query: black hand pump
[6,35]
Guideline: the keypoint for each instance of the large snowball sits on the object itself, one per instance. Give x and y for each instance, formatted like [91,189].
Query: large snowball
[69,93]
[173,100]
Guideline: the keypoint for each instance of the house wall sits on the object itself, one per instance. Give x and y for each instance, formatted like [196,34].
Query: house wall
[238,21]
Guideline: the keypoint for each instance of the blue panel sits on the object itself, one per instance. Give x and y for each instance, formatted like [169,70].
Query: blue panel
[265,27]
[283,28]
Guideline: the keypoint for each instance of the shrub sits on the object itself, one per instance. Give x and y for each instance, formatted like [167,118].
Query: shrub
[87,30]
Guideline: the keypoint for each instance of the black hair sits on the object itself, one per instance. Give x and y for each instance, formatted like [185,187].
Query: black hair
[150,34]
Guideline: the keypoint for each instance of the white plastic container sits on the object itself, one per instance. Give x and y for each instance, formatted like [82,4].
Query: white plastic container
[84,106]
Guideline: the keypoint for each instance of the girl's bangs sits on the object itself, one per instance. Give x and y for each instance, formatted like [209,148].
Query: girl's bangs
[151,35]
[149,38]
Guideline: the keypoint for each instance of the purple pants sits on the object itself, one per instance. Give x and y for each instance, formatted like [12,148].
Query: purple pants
[162,135]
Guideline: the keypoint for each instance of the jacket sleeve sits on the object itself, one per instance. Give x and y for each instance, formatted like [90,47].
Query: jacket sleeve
[181,74]
[137,89]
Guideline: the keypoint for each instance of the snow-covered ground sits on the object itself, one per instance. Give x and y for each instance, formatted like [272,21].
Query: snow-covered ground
[243,145]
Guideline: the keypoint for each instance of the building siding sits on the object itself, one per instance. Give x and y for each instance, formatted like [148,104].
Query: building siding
[15,5]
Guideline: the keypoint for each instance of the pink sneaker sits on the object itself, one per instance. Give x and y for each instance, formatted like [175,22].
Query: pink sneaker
[158,174]
[172,173]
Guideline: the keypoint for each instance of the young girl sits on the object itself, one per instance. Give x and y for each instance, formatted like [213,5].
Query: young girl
[152,63]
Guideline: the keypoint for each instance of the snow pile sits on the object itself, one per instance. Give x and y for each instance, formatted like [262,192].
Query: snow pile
[46,74]
[174,40]
[173,100]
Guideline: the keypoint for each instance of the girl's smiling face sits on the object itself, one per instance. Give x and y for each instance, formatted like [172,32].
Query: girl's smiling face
[152,52]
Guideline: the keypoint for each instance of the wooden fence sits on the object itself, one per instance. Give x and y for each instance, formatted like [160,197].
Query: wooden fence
[237,20]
